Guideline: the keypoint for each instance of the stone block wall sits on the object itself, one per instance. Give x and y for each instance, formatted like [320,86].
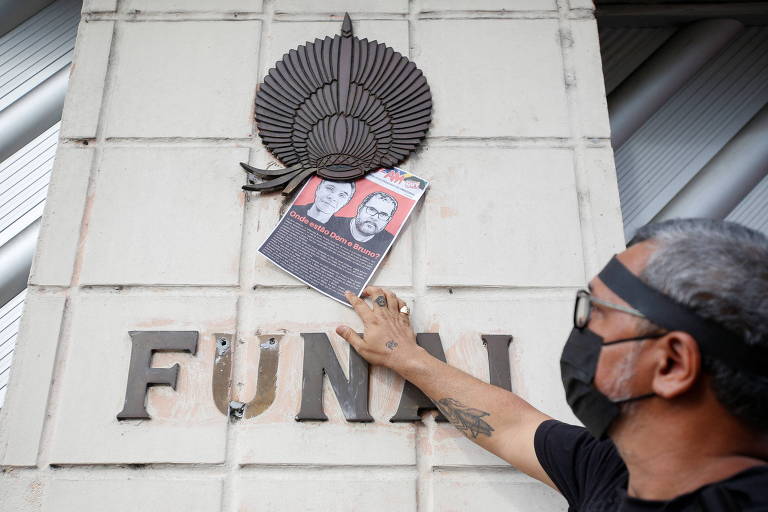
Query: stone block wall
[146,228]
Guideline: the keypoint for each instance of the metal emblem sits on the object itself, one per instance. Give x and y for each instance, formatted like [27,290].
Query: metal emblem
[339,107]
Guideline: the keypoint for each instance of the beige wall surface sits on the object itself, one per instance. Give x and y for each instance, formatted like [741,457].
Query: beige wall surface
[146,228]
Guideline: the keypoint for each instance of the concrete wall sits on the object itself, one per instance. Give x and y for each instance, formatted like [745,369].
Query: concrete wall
[146,228]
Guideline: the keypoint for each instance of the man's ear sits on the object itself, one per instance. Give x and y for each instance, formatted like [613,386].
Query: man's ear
[678,364]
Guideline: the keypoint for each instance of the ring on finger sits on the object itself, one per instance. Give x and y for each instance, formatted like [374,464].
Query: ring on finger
[405,309]
[381,301]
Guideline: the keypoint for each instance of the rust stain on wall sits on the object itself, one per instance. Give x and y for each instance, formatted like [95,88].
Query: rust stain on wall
[447,212]
[192,401]
[156,322]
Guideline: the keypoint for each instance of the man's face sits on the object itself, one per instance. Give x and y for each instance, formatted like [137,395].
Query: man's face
[373,216]
[619,373]
[330,196]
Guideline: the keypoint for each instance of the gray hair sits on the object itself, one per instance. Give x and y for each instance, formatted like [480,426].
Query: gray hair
[719,270]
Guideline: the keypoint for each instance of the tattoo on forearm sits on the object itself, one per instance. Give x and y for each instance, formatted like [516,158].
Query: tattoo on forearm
[466,419]
[391,344]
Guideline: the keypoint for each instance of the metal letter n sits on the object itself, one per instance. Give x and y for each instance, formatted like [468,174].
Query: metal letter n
[319,360]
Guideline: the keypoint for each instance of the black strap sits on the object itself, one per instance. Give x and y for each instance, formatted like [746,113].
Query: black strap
[714,340]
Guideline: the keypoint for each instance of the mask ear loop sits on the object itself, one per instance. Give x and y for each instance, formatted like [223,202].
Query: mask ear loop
[635,338]
[634,398]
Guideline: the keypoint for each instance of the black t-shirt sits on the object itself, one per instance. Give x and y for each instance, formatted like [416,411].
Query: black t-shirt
[593,478]
[302,209]
[378,243]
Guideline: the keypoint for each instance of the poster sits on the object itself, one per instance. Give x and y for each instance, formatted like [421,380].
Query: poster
[335,234]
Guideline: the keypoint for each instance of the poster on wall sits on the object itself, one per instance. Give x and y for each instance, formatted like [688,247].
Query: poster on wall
[336,233]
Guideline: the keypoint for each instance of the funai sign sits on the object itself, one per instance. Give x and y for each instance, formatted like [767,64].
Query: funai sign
[319,360]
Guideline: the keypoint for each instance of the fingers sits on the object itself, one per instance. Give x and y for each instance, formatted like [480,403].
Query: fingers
[350,335]
[392,302]
[359,305]
[400,304]
[372,291]
[383,299]
[379,297]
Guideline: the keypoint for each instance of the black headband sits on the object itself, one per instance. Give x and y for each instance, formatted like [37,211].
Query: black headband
[713,339]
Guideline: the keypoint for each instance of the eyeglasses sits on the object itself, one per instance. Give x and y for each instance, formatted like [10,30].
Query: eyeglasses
[373,212]
[582,311]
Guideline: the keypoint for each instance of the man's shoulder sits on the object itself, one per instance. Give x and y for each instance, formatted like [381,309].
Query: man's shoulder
[592,476]
[743,491]
[587,471]
[555,436]
[343,221]
[380,240]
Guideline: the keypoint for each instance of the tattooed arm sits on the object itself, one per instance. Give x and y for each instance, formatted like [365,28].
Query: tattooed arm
[499,421]
[467,420]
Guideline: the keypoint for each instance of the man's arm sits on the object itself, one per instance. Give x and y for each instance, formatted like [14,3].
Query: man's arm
[499,421]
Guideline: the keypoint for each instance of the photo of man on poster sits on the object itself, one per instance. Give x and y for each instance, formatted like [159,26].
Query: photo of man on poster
[330,197]
[368,226]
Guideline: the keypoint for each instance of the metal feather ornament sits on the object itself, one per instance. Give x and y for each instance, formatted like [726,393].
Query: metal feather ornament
[339,107]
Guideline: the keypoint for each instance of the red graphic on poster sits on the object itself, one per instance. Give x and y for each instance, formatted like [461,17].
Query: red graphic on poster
[335,234]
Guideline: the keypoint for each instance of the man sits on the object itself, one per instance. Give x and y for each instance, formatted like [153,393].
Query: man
[367,227]
[667,367]
[330,197]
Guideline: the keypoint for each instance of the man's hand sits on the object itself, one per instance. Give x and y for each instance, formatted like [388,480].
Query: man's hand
[499,421]
[388,338]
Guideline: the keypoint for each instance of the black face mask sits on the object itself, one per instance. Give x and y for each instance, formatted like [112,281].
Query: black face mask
[578,365]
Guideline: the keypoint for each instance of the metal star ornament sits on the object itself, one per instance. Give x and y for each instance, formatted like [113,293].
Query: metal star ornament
[339,107]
